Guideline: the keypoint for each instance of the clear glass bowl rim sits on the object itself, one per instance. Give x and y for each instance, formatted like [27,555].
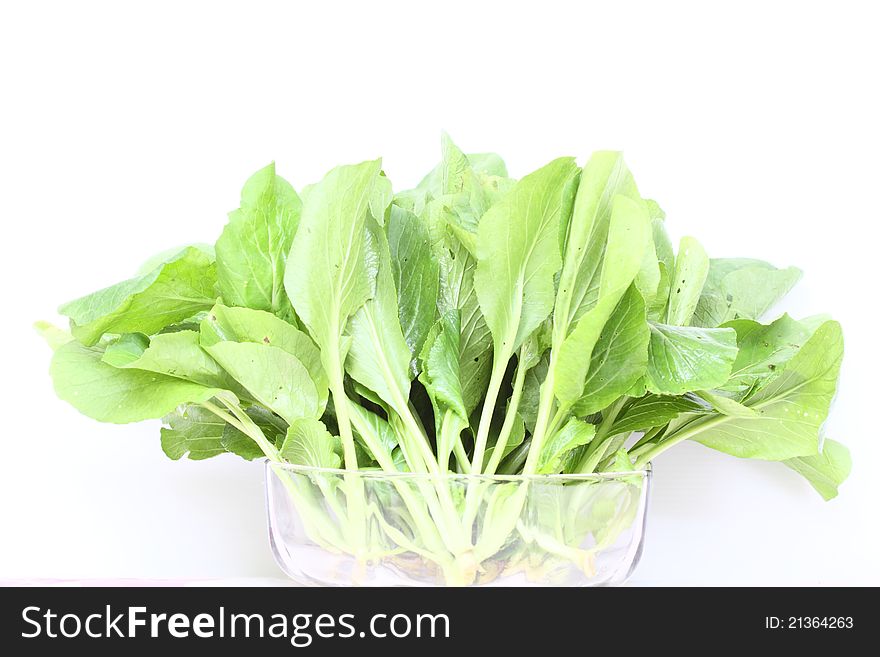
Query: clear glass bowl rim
[383,475]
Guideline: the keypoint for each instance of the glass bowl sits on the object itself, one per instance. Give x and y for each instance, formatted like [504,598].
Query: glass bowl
[370,528]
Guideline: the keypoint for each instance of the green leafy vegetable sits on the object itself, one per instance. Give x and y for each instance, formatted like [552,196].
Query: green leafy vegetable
[308,442]
[574,434]
[274,377]
[688,279]
[825,471]
[682,358]
[173,291]
[330,244]
[740,288]
[517,259]
[252,250]
[109,394]
[472,325]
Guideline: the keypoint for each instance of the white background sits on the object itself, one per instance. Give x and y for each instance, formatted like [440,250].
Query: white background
[128,129]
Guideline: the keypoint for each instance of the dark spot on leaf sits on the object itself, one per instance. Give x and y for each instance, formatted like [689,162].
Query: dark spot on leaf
[772,366]
[678,291]
[266,339]
[477,359]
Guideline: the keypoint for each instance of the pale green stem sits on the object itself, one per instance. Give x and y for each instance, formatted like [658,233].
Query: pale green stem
[318,529]
[601,439]
[428,529]
[446,438]
[250,428]
[509,419]
[447,514]
[676,438]
[355,499]
[545,408]
[472,497]
[635,452]
[499,367]
[609,416]
[474,494]
[558,418]
[461,456]
[645,439]
[243,423]
[415,431]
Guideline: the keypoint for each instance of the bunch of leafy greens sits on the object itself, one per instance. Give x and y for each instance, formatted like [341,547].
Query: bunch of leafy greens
[474,324]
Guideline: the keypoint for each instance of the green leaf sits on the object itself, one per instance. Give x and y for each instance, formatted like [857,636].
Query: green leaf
[726,405]
[197,432]
[463,188]
[825,471]
[109,394]
[573,434]
[488,167]
[458,297]
[174,291]
[272,376]
[169,255]
[650,280]
[691,270]
[741,288]
[381,198]
[531,394]
[173,443]
[309,443]
[622,254]
[518,255]
[441,371]
[762,350]
[658,263]
[333,277]
[791,407]
[373,432]
[193,432]
[399,460]
[658,306]
[379,357]
[176,354]
[682,358]
[235,442]
[246,325]
[465,194]
[240,444]
[653,411]
[252,250]
[517,435]
[662,243]
[620,357]
[126,349]
[620,462]
[591,252]
[416,278]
